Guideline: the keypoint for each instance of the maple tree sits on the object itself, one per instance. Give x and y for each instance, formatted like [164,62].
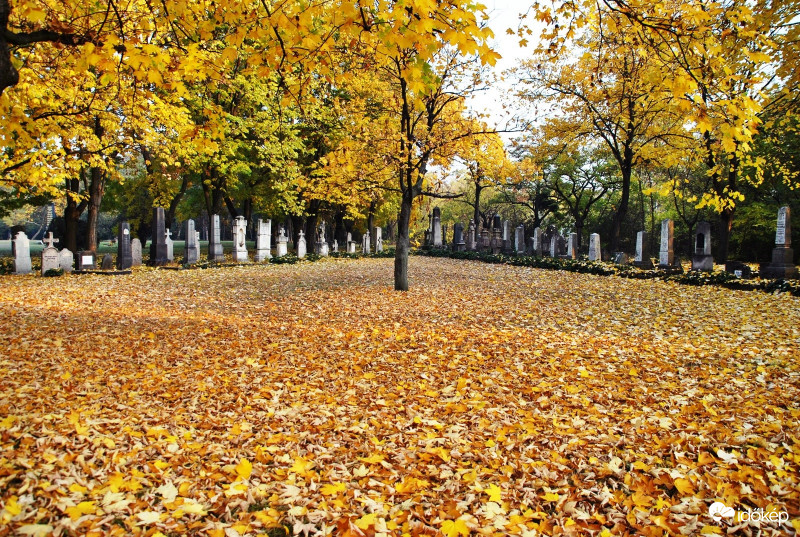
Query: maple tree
[236,401]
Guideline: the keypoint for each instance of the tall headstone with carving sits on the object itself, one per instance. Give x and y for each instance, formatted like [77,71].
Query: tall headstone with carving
[538,246]
[666,255]
[282,247]
[167,239]
[701,259]
[263,239]
[472,238]
[158,244]
[321,247]
[782,265]
[572,246]
[301,245]
[124,253]
[189,250]
[378,240]
[594,247]
[519,240]
[508,245]
[365,245]
[437,227]
[22,254]
[459,245]
[196,244]
[214,240]
[642,258]
[50,255]
[240,240]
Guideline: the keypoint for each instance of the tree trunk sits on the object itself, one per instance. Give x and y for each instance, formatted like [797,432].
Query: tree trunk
[725,227]
[97,187]
[476,214]
[622,210]
[402,245]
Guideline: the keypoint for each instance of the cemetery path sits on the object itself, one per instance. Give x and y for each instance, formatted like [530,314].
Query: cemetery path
[488,399]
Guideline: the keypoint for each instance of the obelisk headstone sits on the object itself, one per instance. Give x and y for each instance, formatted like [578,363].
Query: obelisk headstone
[124,254]
[214,242]
[263,239]
[190,249]
[594,247]
[158,244]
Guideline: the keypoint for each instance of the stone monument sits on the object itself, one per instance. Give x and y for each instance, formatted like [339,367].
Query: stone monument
[50,255]
[281,249]
[22,254]
[124,254]
[240,240]
[642,258]
[701,259]
[666,255]
[158,244]
[594,247]
[782,265]
[214,242]
[190,249]
[263,240]
[301,245]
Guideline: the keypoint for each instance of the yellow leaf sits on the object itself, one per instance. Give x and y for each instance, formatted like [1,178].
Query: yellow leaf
[332,490]
[711,530]
[301,466]
[454,528]
[244,469]
[372,459]
[632,372]
[495,493]
[366,521]
[7,422]
[83,508]
[684,486]
[551,497]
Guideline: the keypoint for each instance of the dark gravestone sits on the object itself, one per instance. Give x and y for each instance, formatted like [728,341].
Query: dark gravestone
[702,260]
[458,238]
[739,269]
[108,262]
[124,251]
[158,244]
[782,265]
[87,260]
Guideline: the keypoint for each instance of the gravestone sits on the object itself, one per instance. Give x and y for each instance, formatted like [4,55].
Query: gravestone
[594,247]
[321,247]
[240,240]
[189,251]
[365,241]
[158,244]
[472,237]
[263,239]
[87,260]
[124,254]
[782,265]
[485,243]
[107,263]
[519,240]
[666,255]
[620,258]
[572,246]
[458,238]
[739,269]
[335,246]
[197,244]
[437,227]
[170,248]
[508,245]
[642,258]
[301,245]
[496,244]
[214,240]
[281,249]
[351,244]
[553,246]
[50,255]
[136,251]
[701,259]
[378,240]
[66,260]
[537,242]
[22,254]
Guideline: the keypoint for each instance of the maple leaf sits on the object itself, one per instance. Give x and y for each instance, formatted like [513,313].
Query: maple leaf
[244,469]
[454,528]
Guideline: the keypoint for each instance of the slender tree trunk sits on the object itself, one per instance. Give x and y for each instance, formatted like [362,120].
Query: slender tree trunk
[476,214]
[72,213]
[725,227]
[403,244]
[97,187]
[622,210]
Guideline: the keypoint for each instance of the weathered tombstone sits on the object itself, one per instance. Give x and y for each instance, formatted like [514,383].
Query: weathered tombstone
[66,260]
[240,240]
[519,239]
[553,246]
[365,241]
[124,254]
[170,248]
[508,245]
[642,259]
[458,238]
[437,227]
[189,250]
[87,260]
[782,265]
[158,244]
[378,240]
[263,232]
[351,244]
[22,254]
[321,246]
[197,244]
[50,255]
[107,263]
[594,247]
[496,244]
[214,242]
[301,245]
[666,255]
[282,248]
[572,246]
[701,259]
[472,238]
[537,242]
[620,258]
[335,246]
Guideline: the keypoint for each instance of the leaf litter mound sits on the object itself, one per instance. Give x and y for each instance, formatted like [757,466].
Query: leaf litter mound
[313,399]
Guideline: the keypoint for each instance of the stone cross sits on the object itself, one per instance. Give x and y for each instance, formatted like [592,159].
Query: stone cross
[170,248]
[281,248]
[50,241]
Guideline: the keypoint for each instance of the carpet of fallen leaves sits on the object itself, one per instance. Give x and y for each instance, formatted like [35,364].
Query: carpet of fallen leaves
[488,400]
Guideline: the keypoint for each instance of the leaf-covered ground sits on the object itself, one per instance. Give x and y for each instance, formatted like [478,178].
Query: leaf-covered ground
[488,400]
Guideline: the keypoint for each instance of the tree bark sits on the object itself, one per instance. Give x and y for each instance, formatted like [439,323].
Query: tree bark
[97,187]
[626,168]
[725,227]
[402,246]
[72,213]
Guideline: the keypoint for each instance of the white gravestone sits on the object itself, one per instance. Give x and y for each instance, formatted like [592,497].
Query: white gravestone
[66,260]
[378,240]
[170,247]
[263,239]
[282,248]
[666,255]
[136,251]
[239,240]
[301,245]
[22,254]
[50,255]
[594,247]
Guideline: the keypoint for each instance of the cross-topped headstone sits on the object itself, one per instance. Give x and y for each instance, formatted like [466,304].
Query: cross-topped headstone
[50,255]
[50,241]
